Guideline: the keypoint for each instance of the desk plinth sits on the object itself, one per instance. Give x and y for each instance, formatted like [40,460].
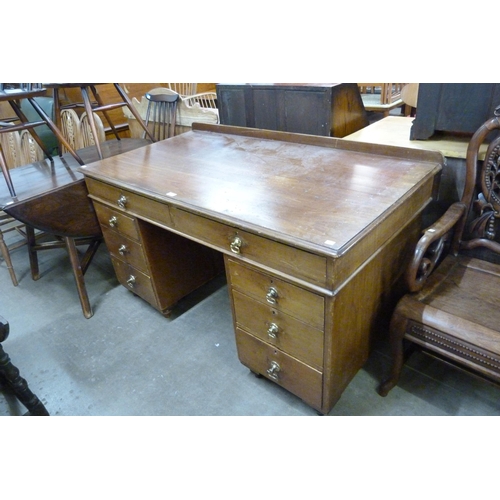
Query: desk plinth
[315,233]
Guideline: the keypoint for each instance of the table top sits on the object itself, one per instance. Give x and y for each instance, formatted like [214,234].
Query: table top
[38,178]
[317,193]
[395,131]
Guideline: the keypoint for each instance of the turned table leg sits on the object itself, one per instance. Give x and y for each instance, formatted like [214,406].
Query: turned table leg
[14,381]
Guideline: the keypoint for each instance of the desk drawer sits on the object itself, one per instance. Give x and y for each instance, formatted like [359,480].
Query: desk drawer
[279,256]
[128,201]
[135,280]
[125,249]
[295,376]
[279,329]
[116,220]
[306,306]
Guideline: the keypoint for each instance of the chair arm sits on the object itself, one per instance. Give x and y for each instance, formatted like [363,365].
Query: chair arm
[431,245]
[204,99]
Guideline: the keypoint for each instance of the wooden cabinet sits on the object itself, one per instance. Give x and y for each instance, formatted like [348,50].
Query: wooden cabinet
[457,108]
[328,109]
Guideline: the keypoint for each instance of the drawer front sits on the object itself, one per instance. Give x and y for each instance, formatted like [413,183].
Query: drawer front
[295,376]
[134,280]
[116,220]
[303,305]
[131,202]
[289,260]
[125,249]
[279,329]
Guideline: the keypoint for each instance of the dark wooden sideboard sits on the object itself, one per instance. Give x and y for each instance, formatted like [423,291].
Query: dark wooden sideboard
[453,108]
[315,233]
[331,109]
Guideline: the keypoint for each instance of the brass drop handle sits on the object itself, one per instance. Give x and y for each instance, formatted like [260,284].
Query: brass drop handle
[274,370]
[113,221]
[122,201]
[122,250]
[273,330]
[235,245]
[272,295]
[131,281]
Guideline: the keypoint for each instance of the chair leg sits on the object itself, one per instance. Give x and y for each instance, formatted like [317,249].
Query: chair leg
[6,257]
[6,173]
[396,333]
[89,254]
[30,236]
[78,274]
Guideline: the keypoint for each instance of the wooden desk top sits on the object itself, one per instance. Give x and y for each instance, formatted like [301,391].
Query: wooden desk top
[395,131]
[318,193]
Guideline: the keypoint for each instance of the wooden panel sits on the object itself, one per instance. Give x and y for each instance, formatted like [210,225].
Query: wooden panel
[177,265]
[297,115]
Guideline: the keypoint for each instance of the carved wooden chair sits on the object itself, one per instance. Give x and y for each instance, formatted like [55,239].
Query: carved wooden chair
[453,308]
[15,149]
[162,113]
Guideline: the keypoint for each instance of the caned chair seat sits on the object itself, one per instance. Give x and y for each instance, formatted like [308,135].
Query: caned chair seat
[456,314]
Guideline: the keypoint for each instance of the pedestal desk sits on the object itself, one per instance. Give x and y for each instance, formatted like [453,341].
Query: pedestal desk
[315,233]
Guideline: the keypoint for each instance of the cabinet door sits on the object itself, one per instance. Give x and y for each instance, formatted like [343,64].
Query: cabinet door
[231,103]
[306,112]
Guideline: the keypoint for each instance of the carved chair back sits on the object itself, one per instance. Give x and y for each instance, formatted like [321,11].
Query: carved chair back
[161,114]
[472,222]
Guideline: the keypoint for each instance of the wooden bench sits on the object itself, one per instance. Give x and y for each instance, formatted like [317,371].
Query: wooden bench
[452,310]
